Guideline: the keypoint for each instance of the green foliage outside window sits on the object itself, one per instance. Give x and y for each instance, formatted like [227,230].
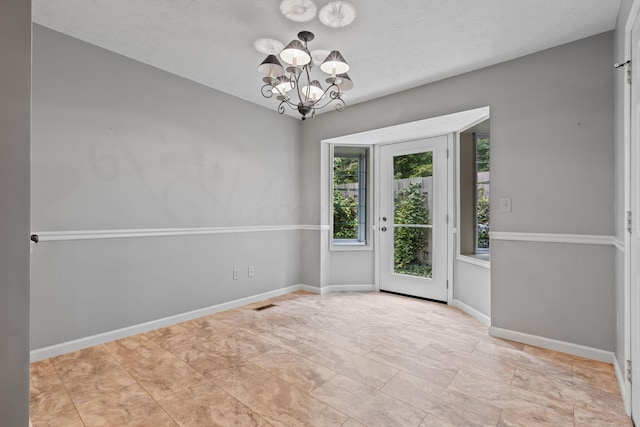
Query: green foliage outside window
[345,216]
[411,244]
[482,215]
[345,207]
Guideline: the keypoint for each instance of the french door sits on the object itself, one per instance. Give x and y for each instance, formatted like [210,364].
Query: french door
[412,220]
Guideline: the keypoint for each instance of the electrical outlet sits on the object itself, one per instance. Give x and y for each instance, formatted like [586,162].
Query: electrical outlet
[251,271]
[236,273]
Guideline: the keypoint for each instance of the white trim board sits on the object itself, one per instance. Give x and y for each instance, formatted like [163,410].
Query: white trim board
[482,318]
[90,341]
[583,239]
[49,236]
[551,344]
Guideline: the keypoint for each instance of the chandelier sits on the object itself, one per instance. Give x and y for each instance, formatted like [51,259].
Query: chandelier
[294,86]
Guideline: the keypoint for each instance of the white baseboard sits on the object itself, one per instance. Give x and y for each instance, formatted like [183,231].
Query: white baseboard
[347,288]
[312,289]
[484,319]
[90,341]
[620,376]
[551,344]
[93,340]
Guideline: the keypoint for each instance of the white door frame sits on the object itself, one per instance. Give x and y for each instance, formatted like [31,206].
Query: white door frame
[450,228]
[443,146]
[628,49]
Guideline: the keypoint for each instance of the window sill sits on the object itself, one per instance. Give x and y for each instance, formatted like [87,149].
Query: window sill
[481,260]
[341,247]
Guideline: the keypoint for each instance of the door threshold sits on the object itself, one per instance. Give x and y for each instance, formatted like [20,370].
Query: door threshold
[416,297]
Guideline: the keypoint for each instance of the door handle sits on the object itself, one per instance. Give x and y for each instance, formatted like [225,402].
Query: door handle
[383,229]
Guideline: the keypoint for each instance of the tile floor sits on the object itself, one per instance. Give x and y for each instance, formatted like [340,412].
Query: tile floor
[366,359]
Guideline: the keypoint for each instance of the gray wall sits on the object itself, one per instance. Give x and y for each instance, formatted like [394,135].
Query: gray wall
[121,145]
[551,152]
[15,90]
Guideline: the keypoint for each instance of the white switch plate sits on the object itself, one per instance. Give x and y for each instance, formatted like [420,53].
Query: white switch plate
[505,204]
[236,273]
[251,271]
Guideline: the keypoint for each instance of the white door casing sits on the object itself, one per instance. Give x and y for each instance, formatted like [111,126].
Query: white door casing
[434,287]
[634,207]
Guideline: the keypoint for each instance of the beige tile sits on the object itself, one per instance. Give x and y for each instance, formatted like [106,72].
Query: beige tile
[342,339]
[209,326]
[68,418]
[363,369]
[433,421]
[131,407]
[441,402]
[91,373]
[366,404]
[244,344]
[560,389]
[207,405]
[518,403]
[417,364]
[296,370]
[49,402]
[499,369]
[171,335]
[448,340]
[287,338]
[587,418]
[132,350]
[165,377]
[410,349]
[352,423]
[600,378]
[405,339]
[534,417]
[238,379]
[281,404]
[198,347]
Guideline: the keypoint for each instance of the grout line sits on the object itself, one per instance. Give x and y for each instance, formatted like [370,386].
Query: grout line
[67,391]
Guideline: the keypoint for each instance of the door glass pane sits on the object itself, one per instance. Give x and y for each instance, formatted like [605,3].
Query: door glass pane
[413,203]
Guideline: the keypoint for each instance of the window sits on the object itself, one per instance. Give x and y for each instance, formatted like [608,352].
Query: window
[475,180]
[349,191]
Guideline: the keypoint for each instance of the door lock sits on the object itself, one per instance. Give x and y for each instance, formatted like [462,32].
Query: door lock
[383,229]
[384,219]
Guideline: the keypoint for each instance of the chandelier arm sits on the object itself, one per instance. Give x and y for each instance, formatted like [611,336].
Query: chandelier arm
[267,90]
[334,94]
[296,77]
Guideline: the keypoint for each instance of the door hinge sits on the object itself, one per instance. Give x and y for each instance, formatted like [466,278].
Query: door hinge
[446,218]
[447,153]
[629,221]
[629,376]
[629,71]
[447,284]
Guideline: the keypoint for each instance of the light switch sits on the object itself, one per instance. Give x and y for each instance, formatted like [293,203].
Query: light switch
[505,204]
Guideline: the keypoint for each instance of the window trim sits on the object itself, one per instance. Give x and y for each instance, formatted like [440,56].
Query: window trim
[481,259]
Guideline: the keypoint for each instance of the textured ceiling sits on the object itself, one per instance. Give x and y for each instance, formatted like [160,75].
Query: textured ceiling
[391,45]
